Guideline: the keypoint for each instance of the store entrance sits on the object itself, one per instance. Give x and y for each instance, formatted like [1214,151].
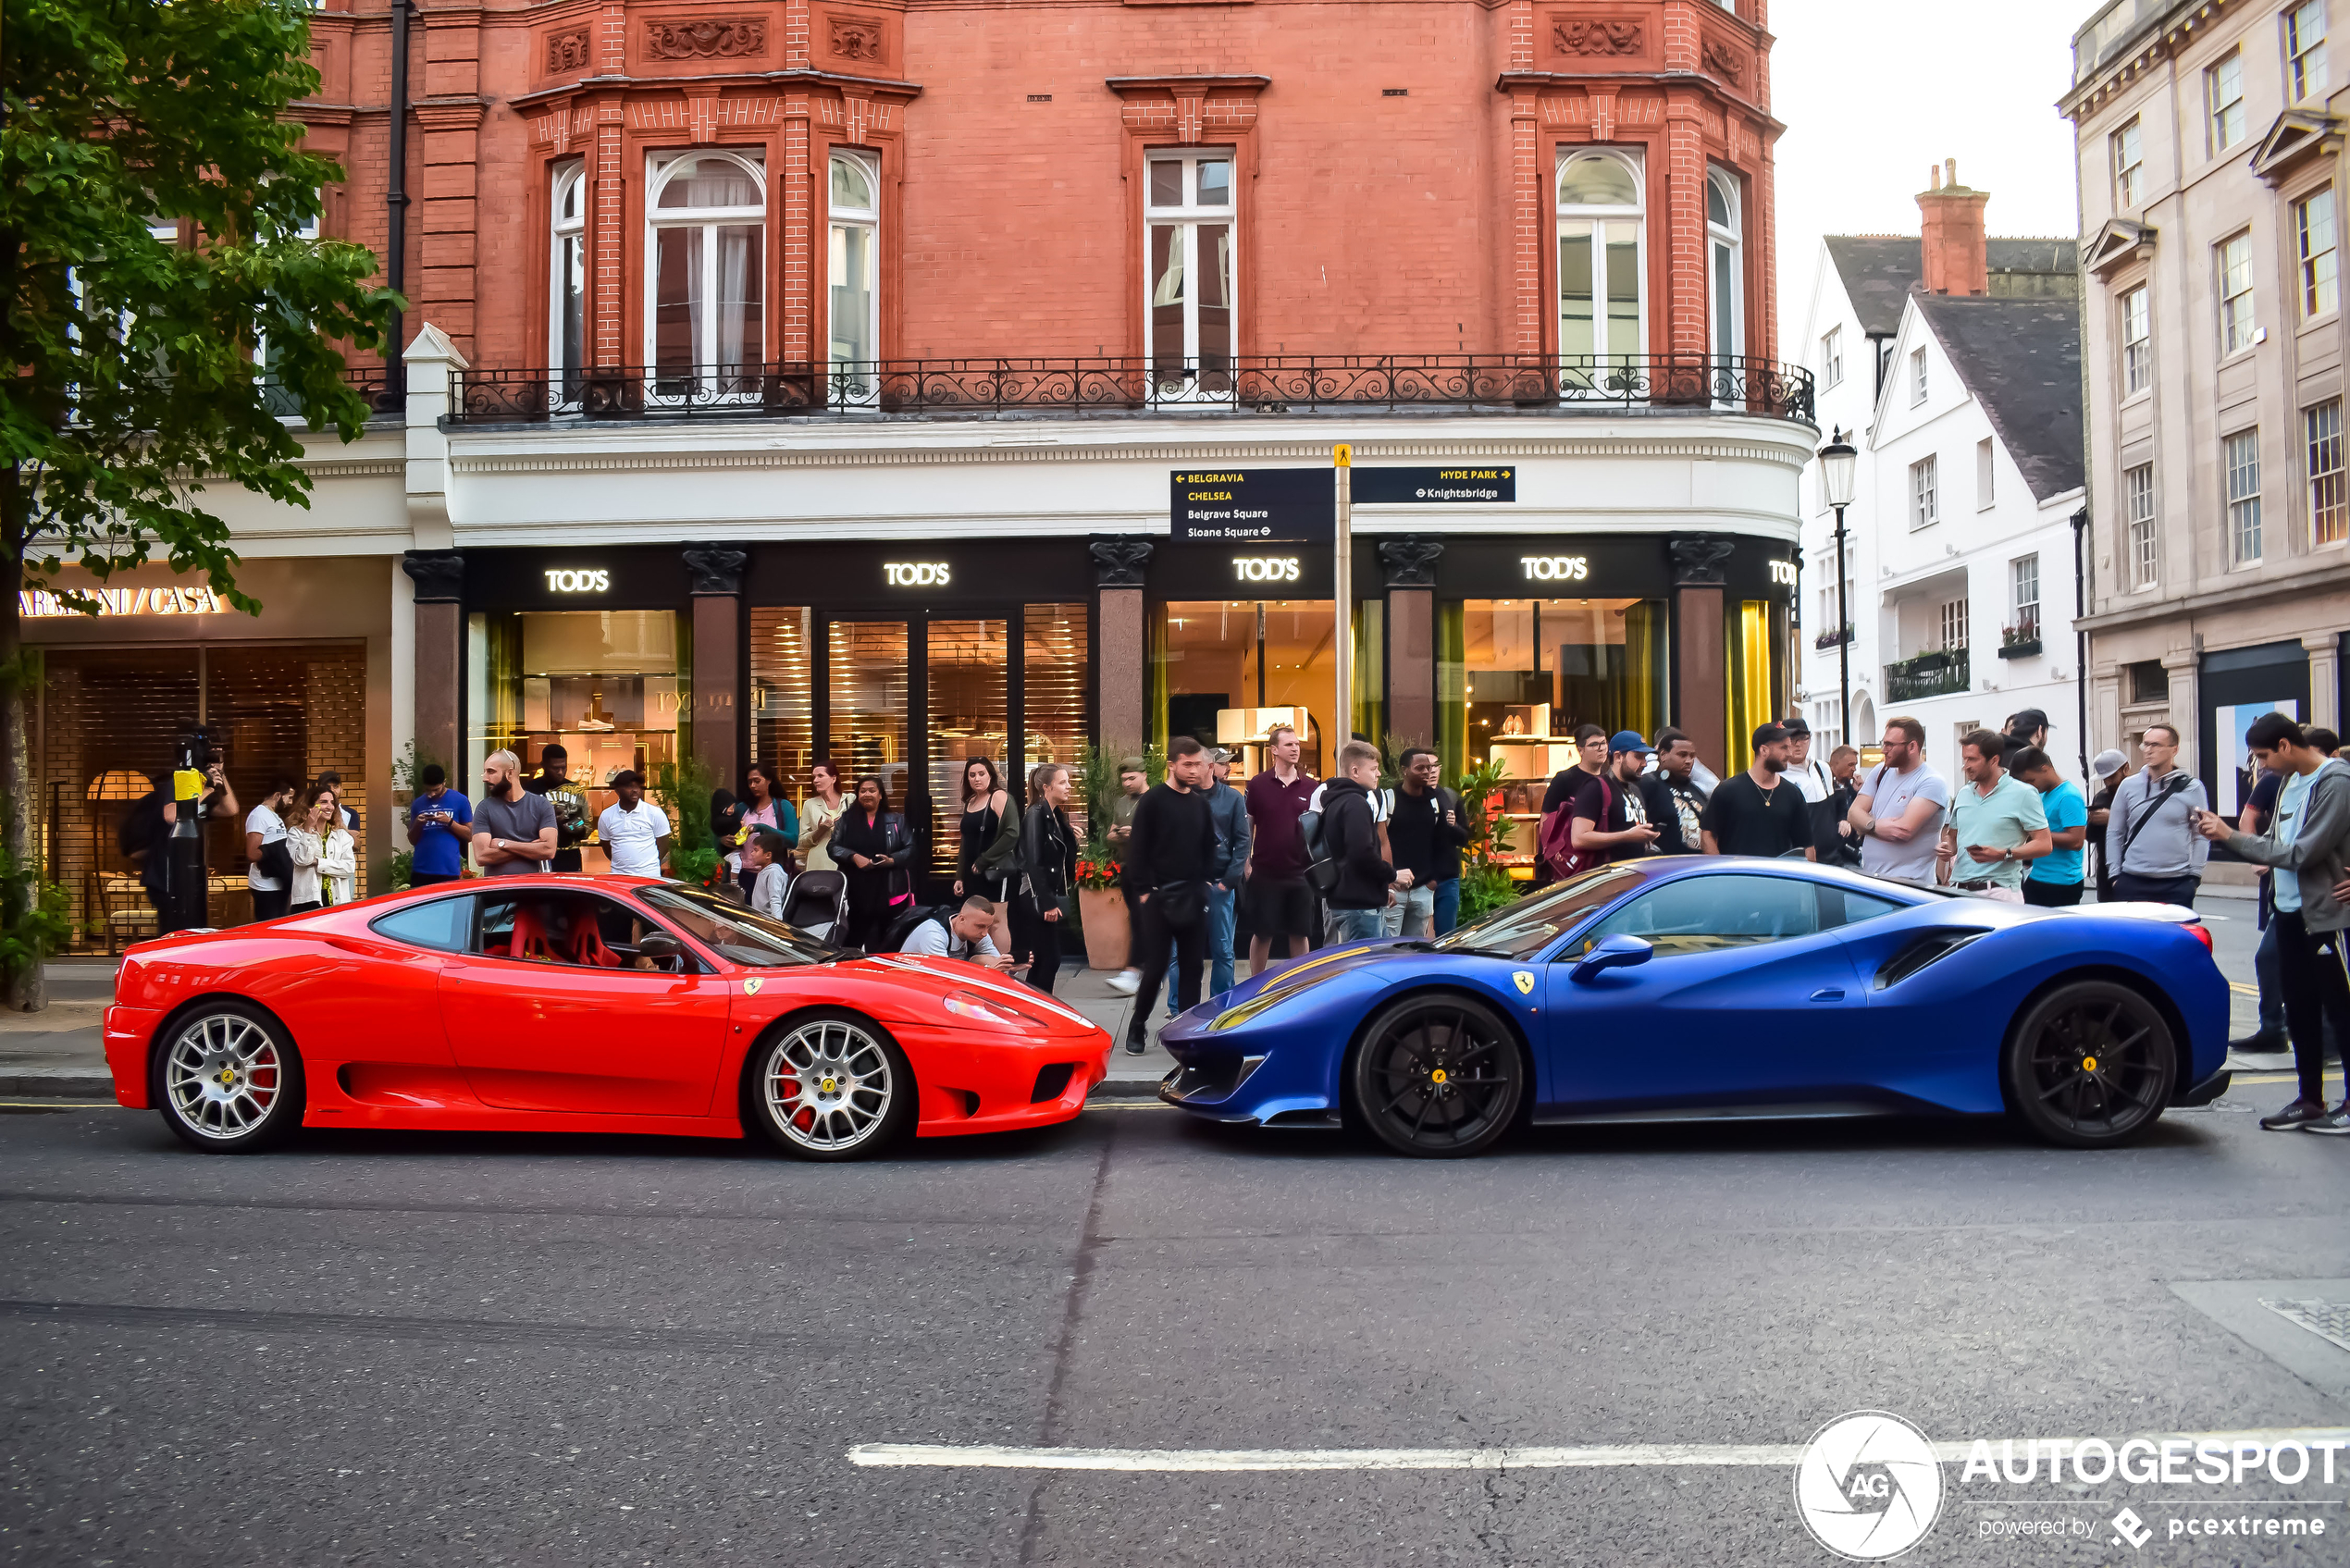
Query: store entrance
[1229,670]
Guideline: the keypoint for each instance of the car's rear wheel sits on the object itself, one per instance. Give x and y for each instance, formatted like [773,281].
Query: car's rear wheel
[2091,1064]
[832,1086]
[227,1080]
[1437,1076]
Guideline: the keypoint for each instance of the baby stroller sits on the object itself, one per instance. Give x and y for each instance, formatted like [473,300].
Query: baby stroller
[817,902]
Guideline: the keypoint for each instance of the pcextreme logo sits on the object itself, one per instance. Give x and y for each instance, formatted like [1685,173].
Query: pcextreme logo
[1868,1487]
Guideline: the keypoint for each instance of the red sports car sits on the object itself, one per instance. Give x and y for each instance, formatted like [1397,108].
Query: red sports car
[581,1005]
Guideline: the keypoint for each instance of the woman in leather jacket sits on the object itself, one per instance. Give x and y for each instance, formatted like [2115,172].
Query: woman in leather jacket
[873,848]
[1048,867]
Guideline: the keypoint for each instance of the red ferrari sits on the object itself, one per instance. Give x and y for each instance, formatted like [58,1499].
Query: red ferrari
[581,1005]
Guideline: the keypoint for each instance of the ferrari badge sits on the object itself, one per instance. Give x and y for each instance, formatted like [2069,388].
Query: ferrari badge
[1525,979]
[750,986]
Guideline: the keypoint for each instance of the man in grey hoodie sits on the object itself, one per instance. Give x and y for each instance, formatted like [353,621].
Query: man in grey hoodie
[2157,856]
[2308,838]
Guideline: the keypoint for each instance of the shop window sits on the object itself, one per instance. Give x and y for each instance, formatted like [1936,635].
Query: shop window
[1056,654]
[853,269]
[969,675]
[783,695]
[1516,677]
[567,281]
[1755,682]
[705,318]
[1602,329]
[1190,219]
[1227,670]
[866,680]
[607,685]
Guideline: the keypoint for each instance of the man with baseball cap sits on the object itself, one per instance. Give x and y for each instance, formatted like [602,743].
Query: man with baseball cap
[1756,812]
[2109,768]
[1611,818]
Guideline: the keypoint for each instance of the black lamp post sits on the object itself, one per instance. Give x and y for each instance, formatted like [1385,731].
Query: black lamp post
[1839,465]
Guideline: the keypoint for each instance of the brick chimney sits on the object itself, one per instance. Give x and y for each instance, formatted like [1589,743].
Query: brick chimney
[1950,244]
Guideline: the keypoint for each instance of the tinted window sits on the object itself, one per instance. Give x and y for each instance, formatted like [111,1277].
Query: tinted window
[443,924]
[1705,914]
[1523,929]
[1842,906]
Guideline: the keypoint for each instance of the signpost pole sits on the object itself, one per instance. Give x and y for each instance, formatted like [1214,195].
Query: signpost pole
[1343,626]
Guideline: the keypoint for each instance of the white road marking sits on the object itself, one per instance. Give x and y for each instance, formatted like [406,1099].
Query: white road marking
[1616,1456]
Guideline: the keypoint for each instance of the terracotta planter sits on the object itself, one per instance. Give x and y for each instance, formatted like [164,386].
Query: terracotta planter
[1108,938]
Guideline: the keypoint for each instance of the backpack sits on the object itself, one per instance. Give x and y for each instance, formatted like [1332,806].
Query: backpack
[906,921]
[1555,842]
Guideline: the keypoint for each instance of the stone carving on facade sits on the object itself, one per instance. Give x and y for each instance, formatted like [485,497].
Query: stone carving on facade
[1410,561]
[1696,562]
[858,38]
[1120,563]
[716,569]
[1726,62]
[567,52]
[705,40]
[439,575]
[1596,37]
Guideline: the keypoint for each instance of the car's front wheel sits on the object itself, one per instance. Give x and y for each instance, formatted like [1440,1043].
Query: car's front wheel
[832,1086]
[2091,1064]
[227,1080]
[1437,1077]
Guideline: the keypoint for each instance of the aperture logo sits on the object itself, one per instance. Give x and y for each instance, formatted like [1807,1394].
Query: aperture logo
[1868,1487]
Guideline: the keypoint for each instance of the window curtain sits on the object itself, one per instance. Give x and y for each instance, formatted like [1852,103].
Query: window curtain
[1369,678]
[1747,697]
[1452,687]
[1644,666]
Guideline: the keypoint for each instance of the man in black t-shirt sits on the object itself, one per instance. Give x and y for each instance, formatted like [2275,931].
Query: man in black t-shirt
[1675,805]
[1611,819]
[1756,813]
[553,781]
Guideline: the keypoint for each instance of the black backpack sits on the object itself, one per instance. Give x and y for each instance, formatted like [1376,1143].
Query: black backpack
[910,920]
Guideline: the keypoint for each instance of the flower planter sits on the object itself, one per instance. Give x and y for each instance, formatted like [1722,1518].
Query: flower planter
[2027,648]
[1108,938]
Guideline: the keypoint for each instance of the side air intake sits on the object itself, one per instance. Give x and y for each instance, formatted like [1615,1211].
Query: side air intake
[1927,950]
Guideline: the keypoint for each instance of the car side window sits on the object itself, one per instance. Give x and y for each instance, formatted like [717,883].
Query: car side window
[1844,907]
[577,930]
[1705,914]
[445,925]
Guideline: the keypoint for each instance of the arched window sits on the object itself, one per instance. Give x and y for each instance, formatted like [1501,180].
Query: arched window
[853,270]
[1189,210]
[1726,266]
[1602,268]
[567,279]
[706,321]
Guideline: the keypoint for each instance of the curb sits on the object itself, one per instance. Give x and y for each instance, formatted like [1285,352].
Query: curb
[1108,1089]
[61,1085]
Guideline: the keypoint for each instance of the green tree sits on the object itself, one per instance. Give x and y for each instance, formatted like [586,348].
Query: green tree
[153,200]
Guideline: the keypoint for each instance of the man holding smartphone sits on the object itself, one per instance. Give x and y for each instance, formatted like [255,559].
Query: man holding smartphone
[439,826]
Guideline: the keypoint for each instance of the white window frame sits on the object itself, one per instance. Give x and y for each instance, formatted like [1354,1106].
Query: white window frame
[2128,164]
[2223,101]
[1194,380]
[1832,358]
[1986,473]
[1925,500]
[1953,624]
[1917,378]
[2137,499]
[1593,219]
[2239,477]
[2023,594]
[2329,478]
[566,242]
[2239,302]
[1726,276]
[862,384]
[2317,248]
[661,167]
[2137,340]
[2305,50]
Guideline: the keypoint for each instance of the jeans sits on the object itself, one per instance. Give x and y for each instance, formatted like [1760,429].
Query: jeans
[1413,913]
[1448,905]
[2132,888]
[2264,969]
[2317,992]
[1352,925]
[1223,910]
[1155,943]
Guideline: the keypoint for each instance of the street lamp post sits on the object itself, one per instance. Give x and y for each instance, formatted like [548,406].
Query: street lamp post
[1838,462]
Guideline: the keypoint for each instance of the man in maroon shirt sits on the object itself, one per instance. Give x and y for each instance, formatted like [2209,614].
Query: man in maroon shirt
[1279,902]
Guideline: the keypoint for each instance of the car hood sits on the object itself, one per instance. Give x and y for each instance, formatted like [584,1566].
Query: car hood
[940,976]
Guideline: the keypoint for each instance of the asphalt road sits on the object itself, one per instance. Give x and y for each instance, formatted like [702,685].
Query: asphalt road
[455,1350]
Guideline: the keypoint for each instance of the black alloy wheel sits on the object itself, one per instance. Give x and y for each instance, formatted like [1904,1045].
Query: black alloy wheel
[1437,1076]
[2091,1064]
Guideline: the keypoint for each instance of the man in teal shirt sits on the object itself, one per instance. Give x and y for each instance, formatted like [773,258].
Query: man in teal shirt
[1996,826]
[2053,882]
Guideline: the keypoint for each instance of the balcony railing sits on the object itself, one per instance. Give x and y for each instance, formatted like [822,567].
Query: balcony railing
[368,381]
[1267,383]
[1939,673]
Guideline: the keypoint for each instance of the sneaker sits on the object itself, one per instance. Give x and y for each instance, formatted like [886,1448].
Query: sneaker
[1127,981]
[2298,1114]
[2336,1123]
[2261,1045]
[1137,1043]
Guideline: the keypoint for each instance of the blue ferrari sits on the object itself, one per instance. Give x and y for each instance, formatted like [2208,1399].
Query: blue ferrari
[1684,987]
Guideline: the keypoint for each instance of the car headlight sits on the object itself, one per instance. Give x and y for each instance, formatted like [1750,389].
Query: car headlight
[981,1009]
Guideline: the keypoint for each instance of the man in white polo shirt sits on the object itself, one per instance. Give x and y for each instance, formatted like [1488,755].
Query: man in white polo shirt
[635,830]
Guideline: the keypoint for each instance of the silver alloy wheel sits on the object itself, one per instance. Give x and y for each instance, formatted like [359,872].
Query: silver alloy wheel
[828,1086]
[223,1076]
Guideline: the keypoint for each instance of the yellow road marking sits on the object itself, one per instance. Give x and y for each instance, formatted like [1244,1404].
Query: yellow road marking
[2242,989]
[60,1106]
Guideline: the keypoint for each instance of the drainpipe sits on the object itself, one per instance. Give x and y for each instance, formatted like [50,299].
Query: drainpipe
[2080,636]
[396,204]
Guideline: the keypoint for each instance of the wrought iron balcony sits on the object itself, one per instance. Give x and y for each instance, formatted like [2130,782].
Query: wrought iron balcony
[1266,384]
[1942,673]
[368,381]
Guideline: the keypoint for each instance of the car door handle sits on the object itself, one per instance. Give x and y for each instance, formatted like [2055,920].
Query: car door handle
[1829,994]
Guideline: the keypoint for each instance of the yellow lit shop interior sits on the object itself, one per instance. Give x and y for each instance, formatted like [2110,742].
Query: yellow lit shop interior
[606,684]
[1227,670]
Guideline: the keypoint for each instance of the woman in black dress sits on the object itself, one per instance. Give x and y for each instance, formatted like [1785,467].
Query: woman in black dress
[872,846]
[1048,867]
[985,803]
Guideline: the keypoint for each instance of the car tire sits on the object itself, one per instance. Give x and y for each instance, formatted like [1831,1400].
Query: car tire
[830,1086]
[2090,1065]
[226,1077]
[1437,1077]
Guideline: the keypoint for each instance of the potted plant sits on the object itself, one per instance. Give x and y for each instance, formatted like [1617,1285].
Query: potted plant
[1101,908]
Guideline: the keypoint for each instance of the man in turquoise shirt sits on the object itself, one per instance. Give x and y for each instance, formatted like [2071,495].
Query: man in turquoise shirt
[1996,826]
[2053,882]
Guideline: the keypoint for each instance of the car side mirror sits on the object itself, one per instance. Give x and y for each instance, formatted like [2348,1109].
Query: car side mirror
[660,945]
[1612,953]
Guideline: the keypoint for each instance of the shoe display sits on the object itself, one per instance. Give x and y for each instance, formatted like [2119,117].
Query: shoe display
[2335,1122]
[2298,1114]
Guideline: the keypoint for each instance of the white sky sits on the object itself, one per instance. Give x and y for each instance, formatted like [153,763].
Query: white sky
[1873,91]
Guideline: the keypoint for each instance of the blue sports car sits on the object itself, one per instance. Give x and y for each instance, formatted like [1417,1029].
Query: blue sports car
[1684,987]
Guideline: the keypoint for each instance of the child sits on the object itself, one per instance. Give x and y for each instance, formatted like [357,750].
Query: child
[763,853]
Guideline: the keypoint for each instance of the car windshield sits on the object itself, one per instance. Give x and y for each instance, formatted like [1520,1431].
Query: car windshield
[1524,927]
[734,933]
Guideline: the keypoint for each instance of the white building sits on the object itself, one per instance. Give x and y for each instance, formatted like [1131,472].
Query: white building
[1952,363]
